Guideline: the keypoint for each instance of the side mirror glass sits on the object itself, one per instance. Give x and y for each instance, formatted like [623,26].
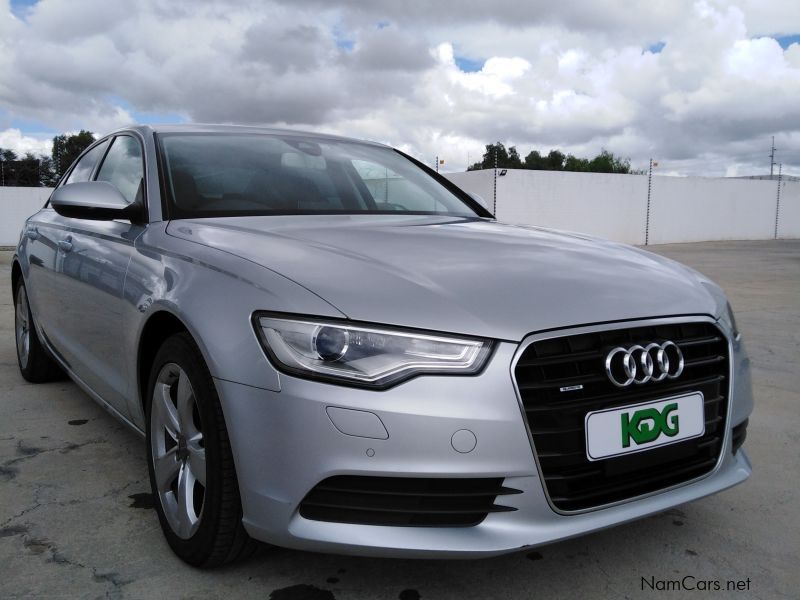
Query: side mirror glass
[95,200]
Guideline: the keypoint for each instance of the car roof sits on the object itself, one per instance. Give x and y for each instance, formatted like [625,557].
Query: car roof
[145,129]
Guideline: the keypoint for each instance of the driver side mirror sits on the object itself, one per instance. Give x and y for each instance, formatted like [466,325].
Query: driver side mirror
[95,200]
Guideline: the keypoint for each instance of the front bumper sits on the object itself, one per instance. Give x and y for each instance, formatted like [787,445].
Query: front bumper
[285,443]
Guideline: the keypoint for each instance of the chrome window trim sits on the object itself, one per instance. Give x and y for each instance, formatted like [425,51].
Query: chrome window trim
[559,333]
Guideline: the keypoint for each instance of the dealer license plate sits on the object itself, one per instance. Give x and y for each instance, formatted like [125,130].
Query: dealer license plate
[639,427]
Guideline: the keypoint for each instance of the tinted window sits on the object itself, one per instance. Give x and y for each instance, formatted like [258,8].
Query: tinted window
[124,168]
[83,169]
[221,174]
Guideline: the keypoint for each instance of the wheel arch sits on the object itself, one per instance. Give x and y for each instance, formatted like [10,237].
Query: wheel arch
[159,326]
[16,274]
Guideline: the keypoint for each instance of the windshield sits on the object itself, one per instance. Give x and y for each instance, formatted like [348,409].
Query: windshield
[221,174]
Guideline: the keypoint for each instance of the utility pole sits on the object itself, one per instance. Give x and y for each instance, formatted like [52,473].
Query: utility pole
[772,157]
[494,197]
[649,190]
[778,201]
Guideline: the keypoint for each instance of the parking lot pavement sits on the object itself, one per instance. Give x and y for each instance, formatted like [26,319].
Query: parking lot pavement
[75,517]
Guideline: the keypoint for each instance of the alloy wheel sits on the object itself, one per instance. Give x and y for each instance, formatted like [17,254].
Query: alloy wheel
[178,451]
[22,327]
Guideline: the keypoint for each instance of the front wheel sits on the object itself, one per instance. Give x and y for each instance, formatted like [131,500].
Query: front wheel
[192,475]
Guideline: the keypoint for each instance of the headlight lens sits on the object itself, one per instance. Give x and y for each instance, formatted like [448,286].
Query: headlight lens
[364,355]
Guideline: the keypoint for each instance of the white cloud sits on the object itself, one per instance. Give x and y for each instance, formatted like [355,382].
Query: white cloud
[14,139]
[575,76]
[495,79]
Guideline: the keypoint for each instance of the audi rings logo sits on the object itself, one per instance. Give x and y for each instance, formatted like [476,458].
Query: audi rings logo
[640,364]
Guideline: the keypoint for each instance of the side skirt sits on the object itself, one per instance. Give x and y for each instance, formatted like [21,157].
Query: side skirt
[81,384]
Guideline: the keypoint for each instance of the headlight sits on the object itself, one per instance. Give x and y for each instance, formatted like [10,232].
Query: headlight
[377,357]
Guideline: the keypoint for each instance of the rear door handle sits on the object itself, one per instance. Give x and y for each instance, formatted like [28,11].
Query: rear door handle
[66,244]
[32,233]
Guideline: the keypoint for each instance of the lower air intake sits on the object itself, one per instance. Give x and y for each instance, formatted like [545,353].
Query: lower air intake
[405,501]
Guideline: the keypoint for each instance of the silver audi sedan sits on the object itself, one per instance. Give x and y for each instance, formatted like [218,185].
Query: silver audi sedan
[328,346]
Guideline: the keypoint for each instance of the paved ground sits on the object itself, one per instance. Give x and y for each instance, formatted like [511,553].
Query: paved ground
[75,518]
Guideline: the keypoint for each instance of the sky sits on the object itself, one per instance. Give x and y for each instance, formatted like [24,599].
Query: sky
[700,86]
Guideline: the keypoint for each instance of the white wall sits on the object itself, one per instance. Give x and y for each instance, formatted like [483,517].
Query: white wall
[601,204]
[789,218]
[16,205]
[695,209]
[475,182]
[682,209]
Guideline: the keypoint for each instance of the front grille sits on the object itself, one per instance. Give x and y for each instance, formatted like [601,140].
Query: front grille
[556,418]
[404,501]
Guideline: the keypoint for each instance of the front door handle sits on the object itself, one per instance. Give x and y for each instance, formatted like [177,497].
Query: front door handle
[65,245]
[32,233]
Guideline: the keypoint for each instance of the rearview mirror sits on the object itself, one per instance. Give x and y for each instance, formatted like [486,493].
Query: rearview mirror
[95,200]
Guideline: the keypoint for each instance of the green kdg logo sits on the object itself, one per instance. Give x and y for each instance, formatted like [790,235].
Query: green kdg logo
[647,424]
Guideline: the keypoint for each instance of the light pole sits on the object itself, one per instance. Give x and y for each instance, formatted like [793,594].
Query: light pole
[649,194]
[772,157]
[494,195]
[778,201]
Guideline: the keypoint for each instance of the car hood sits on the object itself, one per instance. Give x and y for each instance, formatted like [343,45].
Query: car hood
[469,276]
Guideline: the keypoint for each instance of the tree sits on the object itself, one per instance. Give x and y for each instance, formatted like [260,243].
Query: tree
[573,163]
[7,155]
[8,171]
[506,159]
[535,161]
[47,172]
[66,148]
[32,170]
[16,171]
[27,171]
[514,161]
[605,162]
[555,160]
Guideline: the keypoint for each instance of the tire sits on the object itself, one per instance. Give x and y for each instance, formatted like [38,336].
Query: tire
[192,475]
[35,362]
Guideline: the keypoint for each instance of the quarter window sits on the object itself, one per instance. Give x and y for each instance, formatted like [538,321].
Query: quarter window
[83,169]
[123,168]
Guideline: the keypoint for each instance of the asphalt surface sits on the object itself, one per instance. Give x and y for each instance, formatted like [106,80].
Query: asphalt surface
[76,518]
